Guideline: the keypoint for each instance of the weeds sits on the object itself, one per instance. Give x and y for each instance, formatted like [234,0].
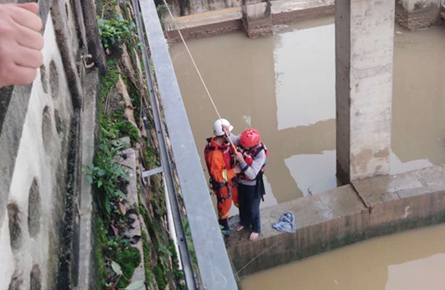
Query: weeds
[115,31]
[162,12]
[105,174]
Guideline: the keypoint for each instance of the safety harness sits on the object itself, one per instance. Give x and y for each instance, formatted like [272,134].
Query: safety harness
[227,156]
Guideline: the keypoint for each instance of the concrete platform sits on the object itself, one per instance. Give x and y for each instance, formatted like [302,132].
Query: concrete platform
[204,24]
[342,216]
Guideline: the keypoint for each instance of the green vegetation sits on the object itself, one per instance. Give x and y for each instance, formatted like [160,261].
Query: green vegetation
[115,31]
[101,239]
[162,12]
[116,258]
[129,258]
[106,175]
[147,268]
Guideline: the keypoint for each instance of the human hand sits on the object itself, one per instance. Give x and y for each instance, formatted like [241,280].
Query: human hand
[237,170]
[226,129]
[239,157]
[20,43]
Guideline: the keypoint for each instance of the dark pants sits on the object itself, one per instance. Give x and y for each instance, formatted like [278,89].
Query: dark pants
[249,207]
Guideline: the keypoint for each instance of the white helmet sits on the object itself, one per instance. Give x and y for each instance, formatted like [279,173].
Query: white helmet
[217,127]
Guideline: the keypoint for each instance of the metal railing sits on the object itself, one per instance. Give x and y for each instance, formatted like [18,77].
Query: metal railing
[213,262]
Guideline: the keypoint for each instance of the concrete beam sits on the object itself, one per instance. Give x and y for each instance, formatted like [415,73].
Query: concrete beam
[257,19]
[364,65]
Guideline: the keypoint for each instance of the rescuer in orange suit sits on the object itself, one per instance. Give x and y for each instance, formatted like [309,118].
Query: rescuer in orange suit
[220,163]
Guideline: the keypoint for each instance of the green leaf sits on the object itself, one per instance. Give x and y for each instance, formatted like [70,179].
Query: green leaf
[89,178]
[116,268]
[107,204]
[99,183]
[121,194]
[101,172]
[135,285]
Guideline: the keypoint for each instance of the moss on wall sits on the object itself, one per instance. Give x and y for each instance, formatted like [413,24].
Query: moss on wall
[159,254]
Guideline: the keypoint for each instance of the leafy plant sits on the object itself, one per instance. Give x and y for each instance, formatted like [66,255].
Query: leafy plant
[105,174]
[135,285]
[164,251]
[116,30]
[162,11]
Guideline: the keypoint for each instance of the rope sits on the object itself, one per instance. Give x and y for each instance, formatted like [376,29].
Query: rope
[196,68]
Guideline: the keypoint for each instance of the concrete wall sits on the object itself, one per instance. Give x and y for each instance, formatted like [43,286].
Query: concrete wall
[39,160]
[368,208]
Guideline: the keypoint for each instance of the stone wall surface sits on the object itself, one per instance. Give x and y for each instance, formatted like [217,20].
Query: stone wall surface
[40,159]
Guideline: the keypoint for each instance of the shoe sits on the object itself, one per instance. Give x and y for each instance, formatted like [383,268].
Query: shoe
[239,228]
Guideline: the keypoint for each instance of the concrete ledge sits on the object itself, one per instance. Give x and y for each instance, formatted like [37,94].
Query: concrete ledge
[288,12]
[343,216]
[227,20]
[90,133]
[419,18]
[128,162]
[205,24]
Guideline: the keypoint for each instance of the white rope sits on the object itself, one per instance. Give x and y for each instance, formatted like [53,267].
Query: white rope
[193,60]
[196,66]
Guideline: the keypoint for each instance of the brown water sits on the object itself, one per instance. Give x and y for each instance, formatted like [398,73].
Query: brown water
[284,86]
[409,261]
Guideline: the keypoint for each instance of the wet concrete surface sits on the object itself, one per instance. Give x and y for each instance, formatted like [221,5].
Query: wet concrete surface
[284,86]
[342,216]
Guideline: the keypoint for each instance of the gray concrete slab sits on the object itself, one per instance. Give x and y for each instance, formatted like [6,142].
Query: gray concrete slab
[89,131]
[313,209]
[339,217]
[387,188]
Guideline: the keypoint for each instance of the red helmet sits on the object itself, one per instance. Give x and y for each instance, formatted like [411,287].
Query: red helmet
[249,138]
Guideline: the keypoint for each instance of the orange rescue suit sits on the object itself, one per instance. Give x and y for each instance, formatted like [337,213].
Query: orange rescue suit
[219,162]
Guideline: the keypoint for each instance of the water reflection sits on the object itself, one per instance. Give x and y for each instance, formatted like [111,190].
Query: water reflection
[420,274]
[409,261]
[305,81]
[313,172]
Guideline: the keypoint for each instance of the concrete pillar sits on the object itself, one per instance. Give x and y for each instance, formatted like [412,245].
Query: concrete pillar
[257,19]
[364,65]
[417,14]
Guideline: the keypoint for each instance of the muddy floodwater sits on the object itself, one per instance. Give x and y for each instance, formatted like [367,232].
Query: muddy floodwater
[284,86]
[408,261]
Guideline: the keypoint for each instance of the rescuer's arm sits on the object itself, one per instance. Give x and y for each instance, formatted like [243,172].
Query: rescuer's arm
[217,169]
[252,171]
[233,138]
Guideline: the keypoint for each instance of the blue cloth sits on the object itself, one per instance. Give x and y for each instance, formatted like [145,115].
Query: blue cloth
[286,223]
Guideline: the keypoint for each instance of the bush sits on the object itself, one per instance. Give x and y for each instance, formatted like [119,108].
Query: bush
[115,31]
